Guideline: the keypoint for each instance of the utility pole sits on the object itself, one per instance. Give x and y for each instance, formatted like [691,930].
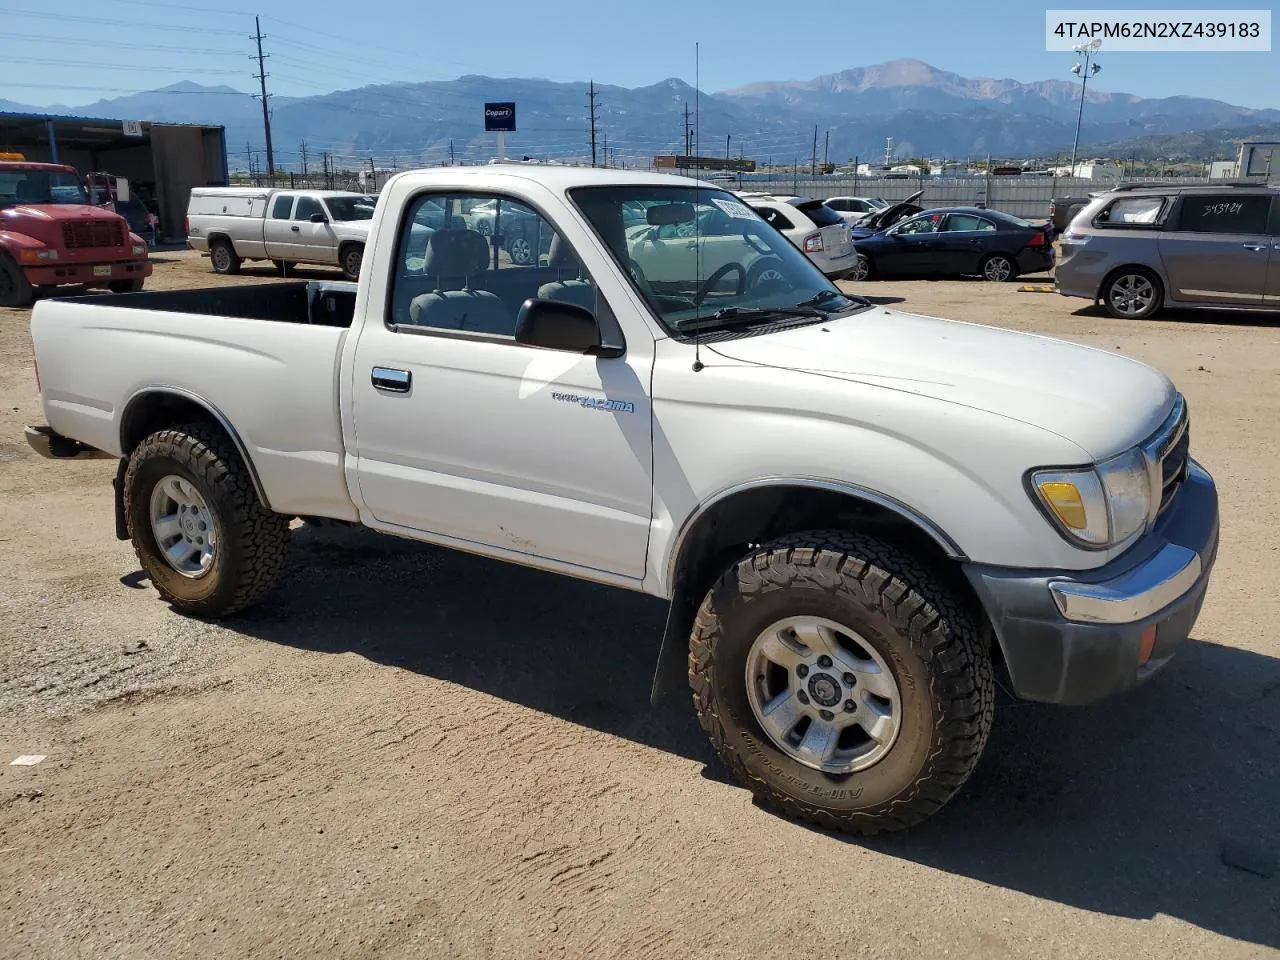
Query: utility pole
[591,109]
[605,151]
[727,138]
[826,151]
[451,153]
[266,112]
[373,174]
[813,167]
[302,149]
[688,132]
[248,153]
[1084,71]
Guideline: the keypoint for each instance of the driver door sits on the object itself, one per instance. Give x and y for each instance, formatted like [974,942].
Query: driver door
[912,246]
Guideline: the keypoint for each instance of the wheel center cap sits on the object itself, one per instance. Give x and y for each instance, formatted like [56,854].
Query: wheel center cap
[824,689]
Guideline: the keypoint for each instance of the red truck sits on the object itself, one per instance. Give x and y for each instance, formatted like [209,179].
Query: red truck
[50,234]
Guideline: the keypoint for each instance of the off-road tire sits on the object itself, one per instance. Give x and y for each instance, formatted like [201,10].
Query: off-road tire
[15,290]
[349,259]
[253,542]
[922,628]
[223,257]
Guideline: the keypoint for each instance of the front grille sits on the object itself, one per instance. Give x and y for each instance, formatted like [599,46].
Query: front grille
[77,234]
[1171,447]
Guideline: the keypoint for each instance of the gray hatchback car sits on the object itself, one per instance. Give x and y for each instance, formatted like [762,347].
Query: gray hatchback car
[1141,247]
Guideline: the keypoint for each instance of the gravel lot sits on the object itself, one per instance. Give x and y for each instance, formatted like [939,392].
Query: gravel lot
[409,753]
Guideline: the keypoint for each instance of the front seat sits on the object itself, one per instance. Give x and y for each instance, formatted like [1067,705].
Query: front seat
[578,291]
[454,256]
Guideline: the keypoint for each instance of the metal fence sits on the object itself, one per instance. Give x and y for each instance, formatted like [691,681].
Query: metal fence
[1025,196]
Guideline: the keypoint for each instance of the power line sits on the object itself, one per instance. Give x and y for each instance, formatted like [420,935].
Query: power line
[112,22]
[71,41]
[266,112]
[51,61]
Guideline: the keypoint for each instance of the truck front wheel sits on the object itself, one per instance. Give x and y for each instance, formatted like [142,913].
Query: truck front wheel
[15,290]
[201,534]
[841,681]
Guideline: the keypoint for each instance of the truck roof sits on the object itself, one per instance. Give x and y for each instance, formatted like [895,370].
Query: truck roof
[557,178]
[32,165]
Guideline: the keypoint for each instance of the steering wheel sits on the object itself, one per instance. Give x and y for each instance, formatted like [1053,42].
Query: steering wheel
[706,286]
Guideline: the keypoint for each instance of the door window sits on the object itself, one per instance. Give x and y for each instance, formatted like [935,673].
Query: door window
[281,206]
[926,224]
[307,208]
[471,271]
[966,223]
[1223,213]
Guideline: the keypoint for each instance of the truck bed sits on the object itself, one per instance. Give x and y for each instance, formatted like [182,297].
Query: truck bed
[323,303]
[264,357]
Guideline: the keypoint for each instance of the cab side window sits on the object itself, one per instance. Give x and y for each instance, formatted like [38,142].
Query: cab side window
[467,263]
[282,206]
[307,208]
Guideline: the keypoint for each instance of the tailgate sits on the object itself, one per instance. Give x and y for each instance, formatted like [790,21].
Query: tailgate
[836,241]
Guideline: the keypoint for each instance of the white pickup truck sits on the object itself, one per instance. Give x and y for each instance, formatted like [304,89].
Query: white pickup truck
[858,515]
[234,224]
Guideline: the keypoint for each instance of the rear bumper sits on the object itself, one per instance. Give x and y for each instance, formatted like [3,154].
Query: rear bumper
[1077,638]
[54,446]
[91,273]
[836,266]
[1036,260]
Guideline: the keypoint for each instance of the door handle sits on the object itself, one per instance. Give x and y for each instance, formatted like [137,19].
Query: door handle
[295,229]
[391,380]
[1254,246]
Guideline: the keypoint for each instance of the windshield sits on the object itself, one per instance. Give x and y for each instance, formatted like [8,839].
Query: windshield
[41,186]
[698,255]
[351,208]
[818,212]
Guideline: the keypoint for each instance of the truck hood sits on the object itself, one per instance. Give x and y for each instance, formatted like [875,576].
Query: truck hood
[57,212]
[1102,402]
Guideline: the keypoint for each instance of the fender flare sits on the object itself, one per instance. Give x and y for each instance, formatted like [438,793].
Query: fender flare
[218,416]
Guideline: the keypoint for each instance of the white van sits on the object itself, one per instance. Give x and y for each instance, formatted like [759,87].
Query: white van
[234,224]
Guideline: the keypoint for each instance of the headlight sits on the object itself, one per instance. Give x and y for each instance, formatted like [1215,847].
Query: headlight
[37,256]
[139,249]
[1100,506]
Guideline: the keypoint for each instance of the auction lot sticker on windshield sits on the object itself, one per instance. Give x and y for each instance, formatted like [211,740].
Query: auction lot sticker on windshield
[734,209]
[1183,31]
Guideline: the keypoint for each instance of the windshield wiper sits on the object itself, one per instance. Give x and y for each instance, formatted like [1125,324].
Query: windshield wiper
[728,314]
[827,295]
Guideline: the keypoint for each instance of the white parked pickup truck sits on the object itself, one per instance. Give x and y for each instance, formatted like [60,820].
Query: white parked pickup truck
[234,224]
[858,515]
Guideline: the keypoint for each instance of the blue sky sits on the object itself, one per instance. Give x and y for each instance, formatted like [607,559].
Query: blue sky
[78,51]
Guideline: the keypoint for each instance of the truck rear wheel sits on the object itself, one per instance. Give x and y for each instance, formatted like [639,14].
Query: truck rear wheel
[841,681]
[202,536]
[223,256]
[15,290]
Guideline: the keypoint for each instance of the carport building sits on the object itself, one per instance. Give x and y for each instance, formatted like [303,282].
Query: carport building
[161,161]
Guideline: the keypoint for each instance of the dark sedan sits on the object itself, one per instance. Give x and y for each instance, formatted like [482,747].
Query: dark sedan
[956,241]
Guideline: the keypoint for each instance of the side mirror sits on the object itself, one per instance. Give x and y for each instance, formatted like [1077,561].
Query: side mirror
[319,218]
[559,326]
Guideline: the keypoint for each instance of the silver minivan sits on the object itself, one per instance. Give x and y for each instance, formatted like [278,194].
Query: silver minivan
[1141,247]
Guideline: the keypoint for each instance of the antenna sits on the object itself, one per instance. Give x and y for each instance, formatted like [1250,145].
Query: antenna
[697,225]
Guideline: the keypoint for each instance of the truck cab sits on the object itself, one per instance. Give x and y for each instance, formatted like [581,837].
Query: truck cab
[50,235]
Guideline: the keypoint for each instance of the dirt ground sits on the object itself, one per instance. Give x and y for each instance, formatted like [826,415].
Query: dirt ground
[411,753]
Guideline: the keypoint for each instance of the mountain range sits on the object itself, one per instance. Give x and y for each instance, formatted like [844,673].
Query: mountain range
[925,110]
